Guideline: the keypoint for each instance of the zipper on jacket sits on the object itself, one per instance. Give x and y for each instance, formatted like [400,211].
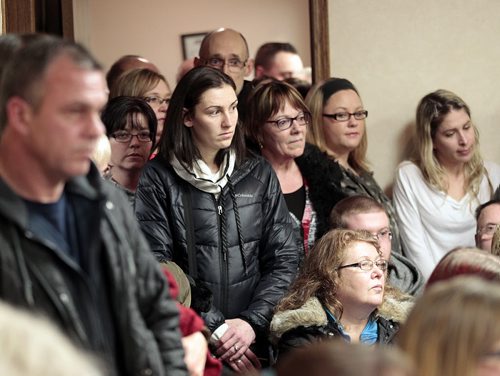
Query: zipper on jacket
[223,263]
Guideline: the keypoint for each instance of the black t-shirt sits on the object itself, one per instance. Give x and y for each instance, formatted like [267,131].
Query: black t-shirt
[296,202]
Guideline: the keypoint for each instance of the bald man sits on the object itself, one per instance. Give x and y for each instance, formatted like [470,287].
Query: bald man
[126,63]
[227,50]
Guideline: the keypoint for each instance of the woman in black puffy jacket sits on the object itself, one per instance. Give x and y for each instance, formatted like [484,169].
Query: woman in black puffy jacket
[218,212]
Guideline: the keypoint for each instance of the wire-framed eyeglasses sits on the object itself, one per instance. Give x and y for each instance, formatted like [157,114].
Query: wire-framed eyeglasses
[384,234]
[286,122]
[234,65]
[345,116]
[156,101]
[367,265]
[488,229]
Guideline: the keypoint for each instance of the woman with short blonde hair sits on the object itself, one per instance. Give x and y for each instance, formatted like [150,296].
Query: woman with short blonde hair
[148,85]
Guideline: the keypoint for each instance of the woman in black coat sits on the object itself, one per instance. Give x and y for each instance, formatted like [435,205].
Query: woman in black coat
[218,212]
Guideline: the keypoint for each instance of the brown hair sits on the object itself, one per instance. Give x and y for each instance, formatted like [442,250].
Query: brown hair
[319,276]
[266,99]
[466,261]
[350,206]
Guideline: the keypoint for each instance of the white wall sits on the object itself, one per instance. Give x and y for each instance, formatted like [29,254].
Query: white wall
[397,51]
[152,28]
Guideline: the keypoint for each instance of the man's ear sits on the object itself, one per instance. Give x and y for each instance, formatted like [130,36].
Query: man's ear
[259,71]
[19,114]
[187,118]
[197,62]
[249,67]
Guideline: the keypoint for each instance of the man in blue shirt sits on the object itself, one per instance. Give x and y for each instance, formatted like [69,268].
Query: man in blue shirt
[70,246]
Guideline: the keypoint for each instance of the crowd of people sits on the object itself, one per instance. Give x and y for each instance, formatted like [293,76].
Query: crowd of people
[232,226]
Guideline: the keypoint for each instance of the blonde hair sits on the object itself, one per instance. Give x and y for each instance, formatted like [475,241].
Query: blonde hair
[495,242]
[136,83]
[32,346]
[102,153]
[316,101]
[431,112]
[452,326]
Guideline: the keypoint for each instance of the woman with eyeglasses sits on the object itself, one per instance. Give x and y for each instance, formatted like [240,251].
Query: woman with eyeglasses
[131,128]
[437,193]
[338,133]
[218,212]
[277,121]
[148,85]
[339,292]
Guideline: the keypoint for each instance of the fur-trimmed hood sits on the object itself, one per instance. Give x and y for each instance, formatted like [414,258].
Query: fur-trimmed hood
[310,314]
[395,307]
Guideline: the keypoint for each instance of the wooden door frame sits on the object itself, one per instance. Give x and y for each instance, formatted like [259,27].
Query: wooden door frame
[20,17]
[319,39]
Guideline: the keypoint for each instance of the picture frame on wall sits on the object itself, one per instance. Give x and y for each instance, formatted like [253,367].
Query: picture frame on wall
[191,44]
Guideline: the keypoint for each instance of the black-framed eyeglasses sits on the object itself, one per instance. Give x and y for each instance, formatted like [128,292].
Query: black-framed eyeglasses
[156,101]
[286,122]
[384,234]
[367,265]
[124,136]
[234,65]
[345,116]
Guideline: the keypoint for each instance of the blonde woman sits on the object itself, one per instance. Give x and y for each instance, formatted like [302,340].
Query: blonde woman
[436,194]
[453,329]
[148,85]
[338,130]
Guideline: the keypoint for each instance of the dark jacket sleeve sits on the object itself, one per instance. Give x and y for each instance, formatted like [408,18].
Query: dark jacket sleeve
[157,308]
[152,212]
[278,256]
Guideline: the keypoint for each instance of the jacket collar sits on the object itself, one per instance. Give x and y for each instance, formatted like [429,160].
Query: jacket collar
[310,314]
[13,208]
[395,307]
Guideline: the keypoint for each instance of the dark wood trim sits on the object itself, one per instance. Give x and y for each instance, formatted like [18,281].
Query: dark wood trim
[67,20]
[19,16]
[320,43]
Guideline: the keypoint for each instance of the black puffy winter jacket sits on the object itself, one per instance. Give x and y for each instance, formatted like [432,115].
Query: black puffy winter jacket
[245,283]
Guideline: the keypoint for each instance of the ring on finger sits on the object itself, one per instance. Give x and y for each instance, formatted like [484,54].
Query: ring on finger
[236,348]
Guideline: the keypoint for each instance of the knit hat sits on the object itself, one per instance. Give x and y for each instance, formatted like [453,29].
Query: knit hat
[333,85]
